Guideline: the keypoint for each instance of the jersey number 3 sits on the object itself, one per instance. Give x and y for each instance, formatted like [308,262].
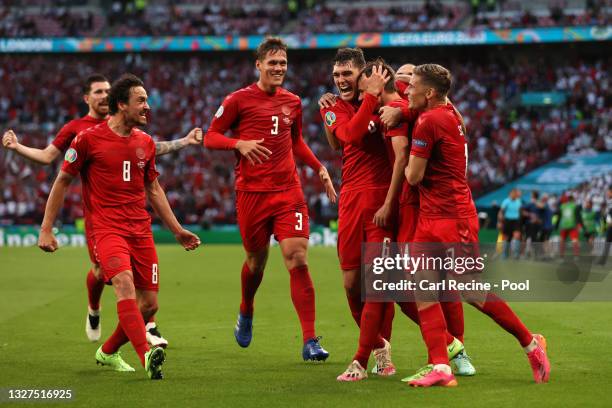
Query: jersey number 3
[274,130]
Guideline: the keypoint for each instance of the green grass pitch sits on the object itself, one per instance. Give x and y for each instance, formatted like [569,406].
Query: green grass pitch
[43,344]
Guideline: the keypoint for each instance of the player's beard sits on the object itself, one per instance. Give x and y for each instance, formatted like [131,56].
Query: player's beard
[101,110]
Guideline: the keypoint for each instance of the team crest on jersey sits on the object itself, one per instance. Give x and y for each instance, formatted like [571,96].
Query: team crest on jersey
[372,127]
[286,110]
[419,142]
[330,118]
[140,153]
[287,120]
[141,164]
[71,155]
[219,112]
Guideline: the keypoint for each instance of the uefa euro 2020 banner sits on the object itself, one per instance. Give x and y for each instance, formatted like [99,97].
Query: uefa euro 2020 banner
[314,41]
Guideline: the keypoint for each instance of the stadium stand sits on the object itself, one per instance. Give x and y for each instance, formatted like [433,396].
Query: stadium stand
[506,138]
[240,17]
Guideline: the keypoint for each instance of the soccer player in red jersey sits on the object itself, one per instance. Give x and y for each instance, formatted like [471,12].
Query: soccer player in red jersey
[438,164]
[366,175]
[267,124]
[95,95]
[397,116]
[116,162]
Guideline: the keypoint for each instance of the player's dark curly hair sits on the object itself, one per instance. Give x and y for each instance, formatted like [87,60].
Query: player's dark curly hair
[436,76]
[367,71]
[345,55]
[270,44]
[120,91]
[90,80]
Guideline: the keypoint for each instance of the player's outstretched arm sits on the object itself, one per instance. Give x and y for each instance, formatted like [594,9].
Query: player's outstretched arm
[326,180]
[46,239]
[160,205]
[382,218]
[331,139]
[42,156]
[415,169]
[194,137]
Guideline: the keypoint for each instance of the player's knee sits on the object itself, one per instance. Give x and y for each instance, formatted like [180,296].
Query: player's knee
[97,271]
[351,283]
[256,265]
[148,308]
[124,286]
[296,257]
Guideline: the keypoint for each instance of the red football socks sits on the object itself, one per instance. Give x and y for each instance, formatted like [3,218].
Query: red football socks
[303,297]
[356,306]
[369,331]
[410,310]
[115,341]
[387,321]
[498,310]
[250,283]
[132,323]
[95,287]
[453,314]
[433,329]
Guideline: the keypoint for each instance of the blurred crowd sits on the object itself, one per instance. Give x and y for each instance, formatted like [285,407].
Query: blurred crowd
[512,14]
[582,213]
[41,93]
[35,18]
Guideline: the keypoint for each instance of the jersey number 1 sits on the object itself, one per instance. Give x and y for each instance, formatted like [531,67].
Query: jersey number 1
[126,171]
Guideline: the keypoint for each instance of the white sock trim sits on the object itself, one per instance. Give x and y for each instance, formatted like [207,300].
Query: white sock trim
[443,367]
[531,346]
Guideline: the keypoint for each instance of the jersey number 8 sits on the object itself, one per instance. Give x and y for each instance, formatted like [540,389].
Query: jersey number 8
[126,171]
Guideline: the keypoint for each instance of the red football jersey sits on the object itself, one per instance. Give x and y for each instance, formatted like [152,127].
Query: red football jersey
[365,164]
[253,114]
[114,170]
[71,129]
[444,191]
[409,195]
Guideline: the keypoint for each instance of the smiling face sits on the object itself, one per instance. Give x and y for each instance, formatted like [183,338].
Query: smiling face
[272,69]
[97,98]
[345,78]
[136,110]
[417,93]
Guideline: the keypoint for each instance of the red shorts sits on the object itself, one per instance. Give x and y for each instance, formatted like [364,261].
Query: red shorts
[407,220]
[355,224]
[261,214]
[572,233]
[116,253]
[454,237]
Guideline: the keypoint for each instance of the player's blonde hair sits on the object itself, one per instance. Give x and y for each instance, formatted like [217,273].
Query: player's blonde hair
[436,76]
